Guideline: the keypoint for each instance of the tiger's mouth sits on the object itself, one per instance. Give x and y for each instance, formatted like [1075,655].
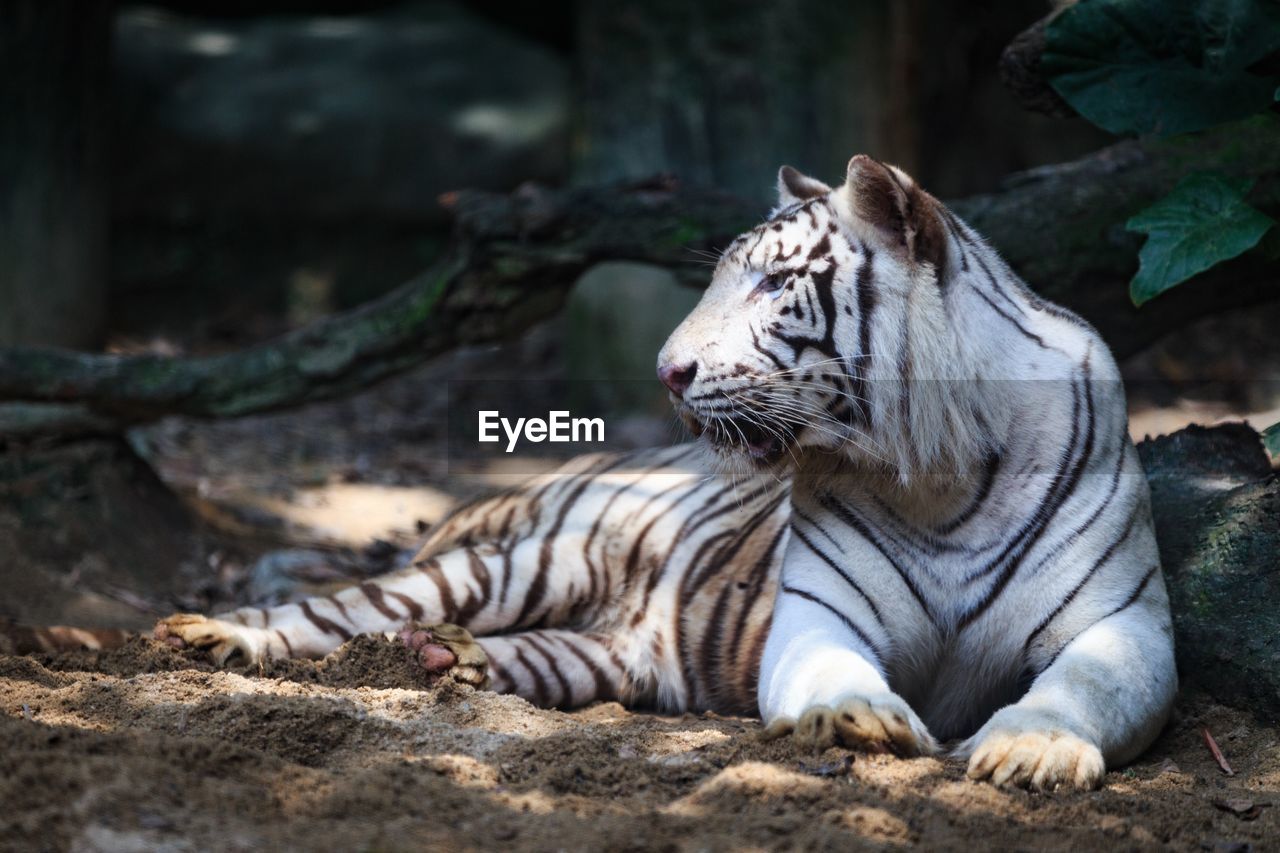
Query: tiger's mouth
[740,435]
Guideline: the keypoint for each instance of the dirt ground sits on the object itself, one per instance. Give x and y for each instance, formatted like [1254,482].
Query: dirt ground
[145,748]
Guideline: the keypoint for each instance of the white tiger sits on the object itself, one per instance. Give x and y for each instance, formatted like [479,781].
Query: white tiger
[967,554]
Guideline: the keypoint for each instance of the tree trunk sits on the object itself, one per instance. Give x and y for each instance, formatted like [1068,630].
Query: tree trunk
[54,88]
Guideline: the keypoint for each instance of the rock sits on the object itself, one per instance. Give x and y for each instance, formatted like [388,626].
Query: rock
[1216,503]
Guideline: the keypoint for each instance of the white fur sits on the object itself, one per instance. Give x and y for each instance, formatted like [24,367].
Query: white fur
[991,368]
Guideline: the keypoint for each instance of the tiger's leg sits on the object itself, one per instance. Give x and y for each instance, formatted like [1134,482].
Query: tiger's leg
[550,668]
[484,589]
[822,681]
[1101,702]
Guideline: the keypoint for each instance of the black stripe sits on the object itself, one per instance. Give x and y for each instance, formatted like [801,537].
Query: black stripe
[846,515]
[1060,491]
[592,570]
[717,556]
[694,580]
[342,608]
[326,625]
[989,468]
[566,692]
[539,683]
[413,608]
[605,689]
[998,289]
[1133,597]
[1087,523]
[475,603]
[796,512]
[1128,602]
[707,563]
[875,611]
[751,594]
[867,299]
[1099,563]
[538,586]
[374,593]
[822,287]
[713,636]
[500,675]
[1027,333]
[848,623]
[716,506]
[755,342]
[448,607]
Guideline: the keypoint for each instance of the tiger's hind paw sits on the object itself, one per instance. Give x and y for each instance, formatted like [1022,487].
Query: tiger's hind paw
[446,649]
[221,640]
[875,724]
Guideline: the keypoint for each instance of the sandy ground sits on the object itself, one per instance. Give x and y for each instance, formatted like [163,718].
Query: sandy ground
[144,748]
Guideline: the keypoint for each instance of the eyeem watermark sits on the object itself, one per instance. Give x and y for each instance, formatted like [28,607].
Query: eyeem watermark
[558,427]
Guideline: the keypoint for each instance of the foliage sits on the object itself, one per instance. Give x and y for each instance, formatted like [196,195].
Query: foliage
[1202,222]
[1165,67]
[1271,439]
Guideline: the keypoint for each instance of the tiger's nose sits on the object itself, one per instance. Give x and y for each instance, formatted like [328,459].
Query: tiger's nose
[678,377]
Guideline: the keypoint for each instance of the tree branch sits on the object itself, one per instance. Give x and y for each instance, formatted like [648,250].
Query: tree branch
[510,264]
[1020,72]
[1062,229]
[513,258]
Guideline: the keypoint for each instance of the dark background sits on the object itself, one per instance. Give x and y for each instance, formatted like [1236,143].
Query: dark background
[262,163]
[195,177]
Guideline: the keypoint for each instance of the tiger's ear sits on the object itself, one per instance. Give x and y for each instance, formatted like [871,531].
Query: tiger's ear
[905,216]
[794,187]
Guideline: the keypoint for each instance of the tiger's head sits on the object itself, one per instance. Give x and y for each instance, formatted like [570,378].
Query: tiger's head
[817,325]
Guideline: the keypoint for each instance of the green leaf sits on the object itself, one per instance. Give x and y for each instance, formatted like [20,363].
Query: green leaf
[1203,221]
[1163,66]
[1271,439]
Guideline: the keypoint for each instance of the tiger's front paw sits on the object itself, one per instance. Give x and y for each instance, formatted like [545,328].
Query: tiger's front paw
[222,640]
[446,649]
[1042,757]
[883,723]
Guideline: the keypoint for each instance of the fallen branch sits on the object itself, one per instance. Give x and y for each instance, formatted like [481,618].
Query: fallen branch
[513,259]
[510,264]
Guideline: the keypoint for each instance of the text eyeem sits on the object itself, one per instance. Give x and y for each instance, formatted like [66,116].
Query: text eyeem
[558,427]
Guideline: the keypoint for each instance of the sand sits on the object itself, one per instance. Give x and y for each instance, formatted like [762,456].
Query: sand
[146,748]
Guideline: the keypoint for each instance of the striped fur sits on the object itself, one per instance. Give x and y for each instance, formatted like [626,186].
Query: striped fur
[972,553]
[638,577]
[925,486]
